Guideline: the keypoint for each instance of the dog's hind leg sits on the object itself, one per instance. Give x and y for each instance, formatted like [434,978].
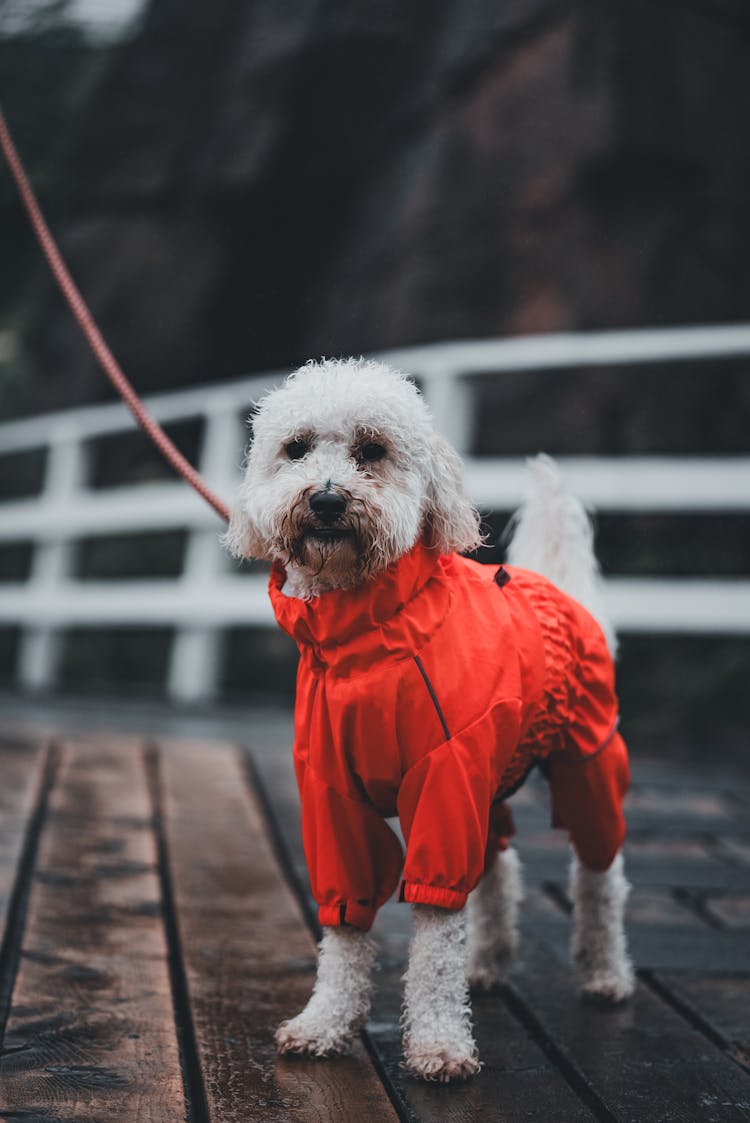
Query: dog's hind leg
[438,1042]
[340,1001]
[599,946]
[493,921]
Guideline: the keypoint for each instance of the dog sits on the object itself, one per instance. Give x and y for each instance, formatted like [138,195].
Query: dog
[429,685]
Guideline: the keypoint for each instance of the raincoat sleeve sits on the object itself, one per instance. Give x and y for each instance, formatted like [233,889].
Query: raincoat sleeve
[444,807]
[353,857]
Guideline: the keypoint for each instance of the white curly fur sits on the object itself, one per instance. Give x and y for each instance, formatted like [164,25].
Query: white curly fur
[312,435]
[493,922]
[599,947]
[436,1020]
[340,1001]
[552,534]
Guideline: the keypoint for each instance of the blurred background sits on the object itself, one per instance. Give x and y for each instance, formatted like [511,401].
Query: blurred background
[241,185]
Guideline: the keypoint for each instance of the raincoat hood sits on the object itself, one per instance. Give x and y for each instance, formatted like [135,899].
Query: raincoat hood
[393,614]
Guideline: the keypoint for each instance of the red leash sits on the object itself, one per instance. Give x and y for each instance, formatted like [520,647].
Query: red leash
[87,323]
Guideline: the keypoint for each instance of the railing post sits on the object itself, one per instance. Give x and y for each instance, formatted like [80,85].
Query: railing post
[65,475]
[196,651]
[451,403]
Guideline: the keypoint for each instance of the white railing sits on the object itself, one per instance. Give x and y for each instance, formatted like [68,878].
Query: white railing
[207,597]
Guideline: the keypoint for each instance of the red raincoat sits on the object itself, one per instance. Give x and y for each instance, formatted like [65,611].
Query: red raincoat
[429,693]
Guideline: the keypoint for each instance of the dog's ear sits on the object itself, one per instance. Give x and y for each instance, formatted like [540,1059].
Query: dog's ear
[451,520]
[241,537]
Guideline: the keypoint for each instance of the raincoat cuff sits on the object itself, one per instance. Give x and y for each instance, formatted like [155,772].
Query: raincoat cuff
[336,916]
[418,894]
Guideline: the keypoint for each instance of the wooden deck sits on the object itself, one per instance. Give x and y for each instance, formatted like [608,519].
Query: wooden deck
[157,928]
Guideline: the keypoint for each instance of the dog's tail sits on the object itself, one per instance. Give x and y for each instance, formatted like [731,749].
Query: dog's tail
[551,533]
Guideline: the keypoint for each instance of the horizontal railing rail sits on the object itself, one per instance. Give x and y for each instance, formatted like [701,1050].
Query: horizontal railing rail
[207,597]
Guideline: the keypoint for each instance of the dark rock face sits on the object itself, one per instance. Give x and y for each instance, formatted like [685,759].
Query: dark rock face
[254,183]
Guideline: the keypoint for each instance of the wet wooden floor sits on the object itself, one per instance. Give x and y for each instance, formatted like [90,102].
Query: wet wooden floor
[157,928]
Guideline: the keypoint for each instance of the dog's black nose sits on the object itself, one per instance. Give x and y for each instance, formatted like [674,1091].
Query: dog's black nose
[328,506]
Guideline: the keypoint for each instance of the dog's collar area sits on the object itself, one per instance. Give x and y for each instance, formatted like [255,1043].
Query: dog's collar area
[387,615]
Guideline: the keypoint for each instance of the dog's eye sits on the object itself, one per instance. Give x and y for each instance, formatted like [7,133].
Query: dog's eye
[371,452]
[295,450]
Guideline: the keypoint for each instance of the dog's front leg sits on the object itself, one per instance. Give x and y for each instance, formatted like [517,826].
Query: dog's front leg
[340,1000]
[438,1042]
[599,948]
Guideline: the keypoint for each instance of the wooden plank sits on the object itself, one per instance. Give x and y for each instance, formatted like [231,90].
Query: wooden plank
[737,851]
[248,956]
[711,951]
[91,1032]
[667,802]
[732,910]
[703,772]
[642,1060]
[22,764]
[722,1004]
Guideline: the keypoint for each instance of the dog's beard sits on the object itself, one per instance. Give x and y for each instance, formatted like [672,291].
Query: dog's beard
[335,556]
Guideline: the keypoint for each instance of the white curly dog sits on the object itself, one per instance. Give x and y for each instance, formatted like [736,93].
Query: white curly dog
[345,477]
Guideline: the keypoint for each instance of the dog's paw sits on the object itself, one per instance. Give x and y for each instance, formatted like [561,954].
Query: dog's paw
[437,1061]
[609,986]
[312,1037]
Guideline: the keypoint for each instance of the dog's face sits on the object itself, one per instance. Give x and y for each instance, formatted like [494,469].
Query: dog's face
[345,474]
